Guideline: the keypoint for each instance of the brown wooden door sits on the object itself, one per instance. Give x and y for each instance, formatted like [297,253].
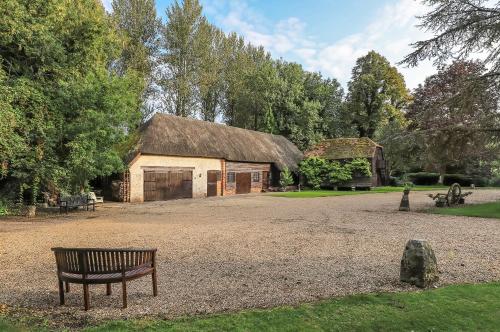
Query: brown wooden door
[149,186]
[265,180]
[243,183]
[165,185]
[212,178]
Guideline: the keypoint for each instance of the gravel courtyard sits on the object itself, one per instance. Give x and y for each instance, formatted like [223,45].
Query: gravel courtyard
[229,253]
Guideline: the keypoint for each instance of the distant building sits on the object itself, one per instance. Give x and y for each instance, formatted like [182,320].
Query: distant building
[347,149]
[178,157]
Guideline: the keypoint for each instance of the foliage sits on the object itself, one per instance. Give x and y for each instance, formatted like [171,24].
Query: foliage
[423,178]
[461,28]
[360,166]
[471,307]
[495,182]
[286,178]
[376,96]
[447,117]
[65,106]
[319,171]
[338,173]
[315,170]
[136,21]
[401,150]
[181,43]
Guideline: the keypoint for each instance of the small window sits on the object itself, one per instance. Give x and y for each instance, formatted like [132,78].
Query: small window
[255,177]
[230,177]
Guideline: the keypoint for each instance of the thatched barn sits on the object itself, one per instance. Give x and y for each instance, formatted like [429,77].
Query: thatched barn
[179,157]
[347,149]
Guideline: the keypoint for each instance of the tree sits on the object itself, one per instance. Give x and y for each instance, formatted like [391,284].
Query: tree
[376,94]
[448,114]
[65,108]
[461,27]
[210,75]
[182,43]
[286,178]
[137,22]
[329,93]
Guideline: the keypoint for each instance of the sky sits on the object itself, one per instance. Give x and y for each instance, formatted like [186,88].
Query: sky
[323,35]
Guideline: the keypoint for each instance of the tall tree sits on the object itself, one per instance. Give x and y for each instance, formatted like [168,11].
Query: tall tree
[448,115]
[139,25]
[182,44]
[210,73]
[461,28]
[329,93]
[376,94]
[67,109]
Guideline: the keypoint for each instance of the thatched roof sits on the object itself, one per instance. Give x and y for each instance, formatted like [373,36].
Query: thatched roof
[344,148]
[170,135]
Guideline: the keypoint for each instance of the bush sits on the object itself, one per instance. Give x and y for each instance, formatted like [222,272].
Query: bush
[480,181]
[315,170]
[338,173]
[286,178]
[319,171]
[495,182]
[423,178]
[461,179]
[360,166]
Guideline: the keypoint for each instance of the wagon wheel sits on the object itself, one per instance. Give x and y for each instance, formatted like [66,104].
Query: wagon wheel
[454,194]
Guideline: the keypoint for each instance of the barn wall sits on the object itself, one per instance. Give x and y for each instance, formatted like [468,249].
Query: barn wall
[240,167]
[200,167]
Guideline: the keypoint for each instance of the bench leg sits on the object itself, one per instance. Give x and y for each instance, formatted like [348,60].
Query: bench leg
[67,287]
[124,293]
[86,297]
[61,292]
[155,283]
[108,289]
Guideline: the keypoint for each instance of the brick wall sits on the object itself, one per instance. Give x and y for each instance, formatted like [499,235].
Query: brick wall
[240,167]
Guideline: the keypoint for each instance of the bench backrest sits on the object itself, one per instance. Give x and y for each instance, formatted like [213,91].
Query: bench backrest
[102,261]
[75,200]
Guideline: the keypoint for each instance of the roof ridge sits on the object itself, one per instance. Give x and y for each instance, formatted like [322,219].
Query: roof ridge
[210,123]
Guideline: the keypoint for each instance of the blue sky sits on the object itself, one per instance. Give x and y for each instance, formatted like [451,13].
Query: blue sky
[322,35]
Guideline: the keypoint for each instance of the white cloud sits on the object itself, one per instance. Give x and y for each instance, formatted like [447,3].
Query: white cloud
[389,33]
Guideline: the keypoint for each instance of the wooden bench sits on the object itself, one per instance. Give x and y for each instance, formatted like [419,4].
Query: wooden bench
[88,266]
[67,202]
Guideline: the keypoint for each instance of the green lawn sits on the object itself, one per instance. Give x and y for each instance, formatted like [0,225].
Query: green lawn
[485,210]
[326,193]
[452,308]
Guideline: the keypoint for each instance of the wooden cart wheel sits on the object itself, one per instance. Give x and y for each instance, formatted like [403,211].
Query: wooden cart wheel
[454,194]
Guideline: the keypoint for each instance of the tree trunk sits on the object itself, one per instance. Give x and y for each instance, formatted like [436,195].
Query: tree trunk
[441,177]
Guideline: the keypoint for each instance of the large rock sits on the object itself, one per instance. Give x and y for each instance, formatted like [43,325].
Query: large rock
[419,265]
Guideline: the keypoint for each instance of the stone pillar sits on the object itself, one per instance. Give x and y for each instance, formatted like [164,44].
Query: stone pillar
[405,201]
[419,265]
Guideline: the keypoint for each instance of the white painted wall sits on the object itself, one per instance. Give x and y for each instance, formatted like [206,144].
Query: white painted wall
[201,166]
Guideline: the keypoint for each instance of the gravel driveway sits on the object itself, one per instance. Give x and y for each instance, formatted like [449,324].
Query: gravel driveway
[229,253]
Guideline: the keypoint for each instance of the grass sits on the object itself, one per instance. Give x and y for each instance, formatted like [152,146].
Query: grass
[485,210]
[452,308]
[327,193]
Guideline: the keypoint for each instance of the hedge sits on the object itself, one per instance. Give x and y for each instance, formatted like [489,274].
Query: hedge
[429,179]
[423,178]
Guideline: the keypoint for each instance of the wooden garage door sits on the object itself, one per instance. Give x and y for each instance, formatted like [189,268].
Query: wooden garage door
[165,185]
[243,183]
[212,178]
